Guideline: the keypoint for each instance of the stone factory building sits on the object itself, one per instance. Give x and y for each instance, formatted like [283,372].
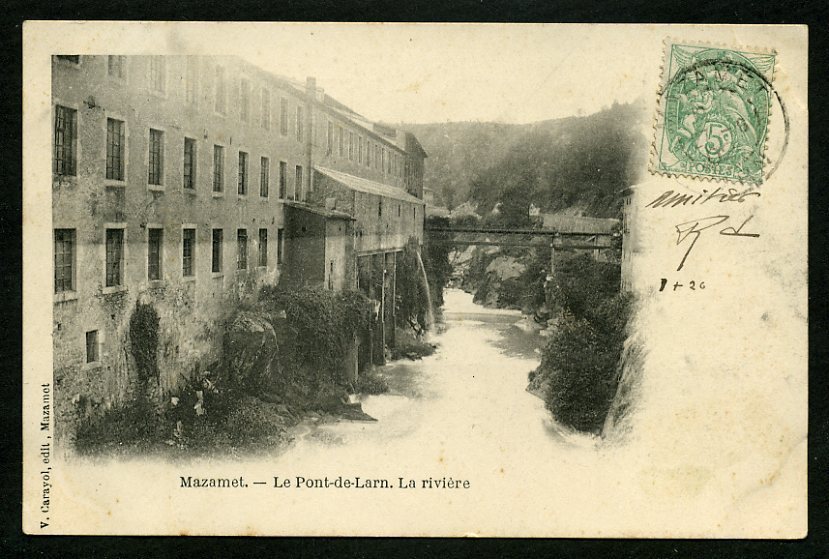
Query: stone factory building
[190,181]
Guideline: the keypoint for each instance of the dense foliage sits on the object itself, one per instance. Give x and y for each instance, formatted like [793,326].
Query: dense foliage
[144,343]
[525,292]
[575,161]
[436,259]
[580,284]
[322,324]
[201,418]
[410,293]
[581,360]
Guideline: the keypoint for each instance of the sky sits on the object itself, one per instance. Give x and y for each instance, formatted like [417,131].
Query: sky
[420,73]
[437,73]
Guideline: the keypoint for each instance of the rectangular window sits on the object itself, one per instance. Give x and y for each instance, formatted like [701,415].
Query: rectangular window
[283,116]
[331,275]
[189,163]
[156,159]
[243,173]
[115,66]
[368,154]
[115,150]
[283,179]
[155,239]
[264,176]
[329,144]
[218,168]
[383,163]
[188,252]
[220,92]
[360,150]
[298,184]
[244,100]
[300,125]
[263,247]
[158,70]
[351,146]
[242,249]
[280,242]
[218,241]
[380,208]
[266,109]
[92,346]
[192,80]
[340,141]
[114,257]
[65,134]
[64,260]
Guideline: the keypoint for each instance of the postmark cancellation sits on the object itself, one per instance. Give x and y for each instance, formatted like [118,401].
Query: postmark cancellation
[714,112]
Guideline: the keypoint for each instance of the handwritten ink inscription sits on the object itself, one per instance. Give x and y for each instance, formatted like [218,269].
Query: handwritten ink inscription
[689,232]
[694,228]
[671,199]
[693,285]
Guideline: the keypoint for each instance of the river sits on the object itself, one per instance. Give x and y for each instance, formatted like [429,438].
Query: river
[468,399]
[462,414]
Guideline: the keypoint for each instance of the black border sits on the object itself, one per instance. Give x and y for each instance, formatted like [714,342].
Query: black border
[14,544]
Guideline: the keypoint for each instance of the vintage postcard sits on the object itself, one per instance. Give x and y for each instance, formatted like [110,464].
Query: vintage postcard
[415,279]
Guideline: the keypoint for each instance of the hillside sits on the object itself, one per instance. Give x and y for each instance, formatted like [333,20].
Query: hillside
[570,162]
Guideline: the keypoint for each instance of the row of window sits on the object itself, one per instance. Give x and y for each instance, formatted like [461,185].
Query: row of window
[65,158]
[157,82]
[66,254]
[346,144]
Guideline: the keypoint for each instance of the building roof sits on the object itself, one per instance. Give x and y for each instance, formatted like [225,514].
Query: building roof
[576,224]
[325,212]
[415,144]
[369,186]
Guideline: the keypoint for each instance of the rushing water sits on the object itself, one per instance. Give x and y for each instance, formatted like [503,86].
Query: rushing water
[430,312]
[470,395]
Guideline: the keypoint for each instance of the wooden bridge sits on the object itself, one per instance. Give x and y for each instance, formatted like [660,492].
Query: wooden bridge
[595,239]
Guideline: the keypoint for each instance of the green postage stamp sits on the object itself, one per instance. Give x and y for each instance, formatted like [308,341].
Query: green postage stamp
[713,118]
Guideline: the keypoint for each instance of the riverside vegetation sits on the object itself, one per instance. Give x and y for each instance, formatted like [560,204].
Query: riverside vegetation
[585,317]
[574,166]
[283,361]
[283,352]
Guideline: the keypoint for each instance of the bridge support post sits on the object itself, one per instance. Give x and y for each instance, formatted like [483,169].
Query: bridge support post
[379,279]
[389,297]
[553,256]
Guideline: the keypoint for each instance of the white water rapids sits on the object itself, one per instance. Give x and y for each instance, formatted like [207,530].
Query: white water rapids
[462,413]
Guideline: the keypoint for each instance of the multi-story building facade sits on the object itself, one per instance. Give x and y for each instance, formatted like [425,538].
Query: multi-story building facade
[171,180]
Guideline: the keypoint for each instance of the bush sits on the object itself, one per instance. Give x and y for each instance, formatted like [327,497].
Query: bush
[436,259]
[580,364]
[580,284]
[201,418]
[408,346]
[135,424]
[370,382]
[144,342]
[322,324]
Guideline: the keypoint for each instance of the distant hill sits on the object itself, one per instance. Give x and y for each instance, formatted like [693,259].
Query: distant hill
[563,163]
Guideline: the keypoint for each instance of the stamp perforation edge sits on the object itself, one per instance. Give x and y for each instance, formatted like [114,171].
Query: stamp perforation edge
[658,126]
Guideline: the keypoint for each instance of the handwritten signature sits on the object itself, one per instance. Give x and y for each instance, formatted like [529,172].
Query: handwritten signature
[697,226]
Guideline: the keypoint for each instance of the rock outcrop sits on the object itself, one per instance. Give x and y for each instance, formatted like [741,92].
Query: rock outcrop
[250,352]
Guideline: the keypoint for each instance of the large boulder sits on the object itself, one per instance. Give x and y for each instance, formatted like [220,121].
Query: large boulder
[498,287]
[505,267]
[250,352]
